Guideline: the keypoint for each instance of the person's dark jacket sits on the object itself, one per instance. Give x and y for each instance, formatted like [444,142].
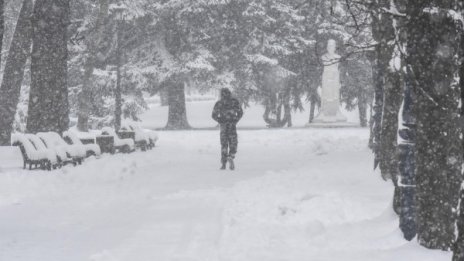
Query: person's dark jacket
[228,109]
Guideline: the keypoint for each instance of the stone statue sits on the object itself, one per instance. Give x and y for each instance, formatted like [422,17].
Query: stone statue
[330,95]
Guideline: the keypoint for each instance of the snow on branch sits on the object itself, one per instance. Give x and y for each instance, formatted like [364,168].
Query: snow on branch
[261,59]
[453,14]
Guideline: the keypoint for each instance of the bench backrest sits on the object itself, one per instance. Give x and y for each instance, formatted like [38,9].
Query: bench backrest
[29,151]
[111,132]
[50,140]
[36,141]
[41,146]
[73,137]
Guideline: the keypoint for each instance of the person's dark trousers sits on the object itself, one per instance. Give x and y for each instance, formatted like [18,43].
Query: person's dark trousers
[229,141]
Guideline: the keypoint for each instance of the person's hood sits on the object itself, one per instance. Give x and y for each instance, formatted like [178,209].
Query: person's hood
[225,94]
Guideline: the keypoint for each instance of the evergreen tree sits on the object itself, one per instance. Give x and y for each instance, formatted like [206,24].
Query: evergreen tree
[459,245]
[174,51]
[48,99]
[13,74]
[356,80]
[389,59]
[432,53]
[2,24]
[93,42]
[383,34]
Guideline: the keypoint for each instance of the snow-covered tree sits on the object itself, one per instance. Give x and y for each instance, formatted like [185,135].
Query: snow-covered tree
[14,69]
[94,53]
[48,100]
[459,244]
[357,91]
[432,59]
[172,50]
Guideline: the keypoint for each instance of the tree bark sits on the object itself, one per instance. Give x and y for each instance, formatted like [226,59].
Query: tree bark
[2,26]
[277,104]
[433,43]
[13,75]
[389,127]
[459,245]
[177,118]
[362,107]
[94,42]
[383,33]
[389,164]
[312,109]
[118,91]
[164,97]
[288,115]
[48,99]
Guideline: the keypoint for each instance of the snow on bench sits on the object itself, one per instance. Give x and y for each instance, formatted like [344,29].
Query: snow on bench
[91,149]
[141,139]
[54,141]
[39,144]
[148,135]
[120,144]
[32,155]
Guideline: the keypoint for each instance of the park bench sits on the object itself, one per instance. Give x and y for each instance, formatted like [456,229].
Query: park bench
[150,137]
[121,145]
[91,149]
[32,156]
[55,160]
[140,138]
[54,141]
[48,150]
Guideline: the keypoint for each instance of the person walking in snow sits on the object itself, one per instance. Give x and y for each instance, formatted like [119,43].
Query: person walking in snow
[228,112]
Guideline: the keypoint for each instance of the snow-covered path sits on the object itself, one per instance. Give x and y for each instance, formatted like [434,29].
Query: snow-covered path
[306,194]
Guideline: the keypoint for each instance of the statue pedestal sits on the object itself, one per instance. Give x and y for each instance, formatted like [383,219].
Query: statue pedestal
[330,113]
[332,125]
[324,118]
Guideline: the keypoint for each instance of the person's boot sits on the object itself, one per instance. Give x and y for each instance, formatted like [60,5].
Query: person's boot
[223,166]
[230,159]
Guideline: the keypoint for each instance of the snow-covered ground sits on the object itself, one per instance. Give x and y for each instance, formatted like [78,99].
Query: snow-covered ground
[298,194]
[199,116]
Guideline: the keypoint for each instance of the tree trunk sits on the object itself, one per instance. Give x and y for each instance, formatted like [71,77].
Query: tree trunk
[276,105]
[433,47]
[383,32]
[362,107]
[2,26]
[164,97]
[312,109]
[405,190]
[288,115]
[118,92]
[459,245]
[389,128]
[13,75]
[271,116]
[94,42]
[85,97]
[362,115]
[48,99]
[371,126]
[177,118]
